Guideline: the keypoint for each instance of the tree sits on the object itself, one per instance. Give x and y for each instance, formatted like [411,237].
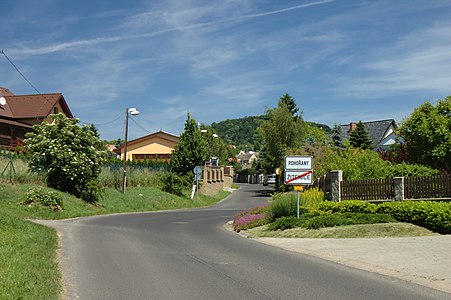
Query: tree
[427,134]
[337,136]
[359,137]
[70,155]
[280,132]
[290,103]
[191,150]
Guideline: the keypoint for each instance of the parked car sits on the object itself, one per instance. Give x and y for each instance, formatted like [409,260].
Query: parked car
[269,179]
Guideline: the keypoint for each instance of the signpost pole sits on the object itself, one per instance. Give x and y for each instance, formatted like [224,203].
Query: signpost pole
[297,204]
[197,187]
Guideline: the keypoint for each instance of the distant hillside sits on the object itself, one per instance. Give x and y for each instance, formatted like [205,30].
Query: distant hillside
[242,132]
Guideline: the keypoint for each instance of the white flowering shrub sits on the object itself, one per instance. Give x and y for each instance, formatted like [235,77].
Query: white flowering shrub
[69,155]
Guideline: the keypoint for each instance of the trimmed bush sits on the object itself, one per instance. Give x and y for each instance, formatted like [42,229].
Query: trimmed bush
[284,223]
[355,206]
[341,219]
[435,216]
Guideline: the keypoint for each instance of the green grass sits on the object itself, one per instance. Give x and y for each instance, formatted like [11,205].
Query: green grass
[28,267]
[350,231]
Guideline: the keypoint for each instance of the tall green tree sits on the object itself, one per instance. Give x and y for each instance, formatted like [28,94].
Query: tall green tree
[70,155]
[427,134]
[191,150]
[280,133]
[359,137]
[290,104]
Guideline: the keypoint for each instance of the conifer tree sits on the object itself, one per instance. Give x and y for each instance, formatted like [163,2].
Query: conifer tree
[359,137]
[337,136]
[191,150]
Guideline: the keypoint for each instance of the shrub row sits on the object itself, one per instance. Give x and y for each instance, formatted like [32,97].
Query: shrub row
[435,216]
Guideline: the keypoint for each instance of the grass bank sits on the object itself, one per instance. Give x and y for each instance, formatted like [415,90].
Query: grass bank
[28,266]
[350,231]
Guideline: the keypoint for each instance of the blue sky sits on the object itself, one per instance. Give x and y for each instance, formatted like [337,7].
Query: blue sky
[342,60]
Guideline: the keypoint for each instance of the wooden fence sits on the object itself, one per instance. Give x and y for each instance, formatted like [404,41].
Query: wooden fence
[399,188]
[367,189]
[426,187]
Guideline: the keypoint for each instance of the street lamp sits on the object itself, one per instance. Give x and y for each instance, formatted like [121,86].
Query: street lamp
[132,111]
[209,142]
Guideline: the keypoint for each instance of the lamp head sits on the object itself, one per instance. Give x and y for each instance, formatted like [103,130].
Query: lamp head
[133,111]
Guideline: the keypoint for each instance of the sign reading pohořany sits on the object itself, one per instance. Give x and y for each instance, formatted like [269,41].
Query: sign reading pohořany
[298,163]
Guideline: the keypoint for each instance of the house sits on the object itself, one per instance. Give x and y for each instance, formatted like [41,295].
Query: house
[18,114]
[158,145]
[381,133]
[246,159]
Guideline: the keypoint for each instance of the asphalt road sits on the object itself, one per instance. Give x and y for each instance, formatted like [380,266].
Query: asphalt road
[187,254]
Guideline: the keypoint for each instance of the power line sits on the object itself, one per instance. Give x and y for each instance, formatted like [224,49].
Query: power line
[18,71]
[101,124]
[29,82]
[140,126]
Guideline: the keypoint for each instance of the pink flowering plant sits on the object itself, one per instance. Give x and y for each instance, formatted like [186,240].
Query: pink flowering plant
[250,218]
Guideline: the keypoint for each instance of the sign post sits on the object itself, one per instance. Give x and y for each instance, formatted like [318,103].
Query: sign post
[298,172]
[197,173]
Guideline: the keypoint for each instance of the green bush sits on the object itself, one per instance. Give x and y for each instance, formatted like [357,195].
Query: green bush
[355,206]
[311,198]
[173,183]
[44,197]
[283,205]
[435,216]
[341,219]
[355,163]
[284,223]
[92,191]
[403,169]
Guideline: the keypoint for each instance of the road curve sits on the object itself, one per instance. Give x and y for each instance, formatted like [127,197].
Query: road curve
[187,254]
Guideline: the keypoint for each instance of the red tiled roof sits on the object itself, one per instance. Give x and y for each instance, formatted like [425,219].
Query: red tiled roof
[32,106]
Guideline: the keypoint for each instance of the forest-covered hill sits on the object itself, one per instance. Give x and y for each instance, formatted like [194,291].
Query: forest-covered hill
[242,132]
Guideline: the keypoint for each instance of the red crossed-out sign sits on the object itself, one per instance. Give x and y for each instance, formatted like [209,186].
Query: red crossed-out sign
[297,177]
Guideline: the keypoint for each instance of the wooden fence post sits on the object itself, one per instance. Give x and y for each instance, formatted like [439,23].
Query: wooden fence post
[398,186]
[336,177]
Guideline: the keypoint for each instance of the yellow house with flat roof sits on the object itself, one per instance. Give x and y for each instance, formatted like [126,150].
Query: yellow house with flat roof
[158,145]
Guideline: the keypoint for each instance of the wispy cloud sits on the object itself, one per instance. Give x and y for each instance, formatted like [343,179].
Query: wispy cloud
[142,20]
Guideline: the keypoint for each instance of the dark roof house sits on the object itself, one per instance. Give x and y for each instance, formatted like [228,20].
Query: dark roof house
[18,113]
[381,133]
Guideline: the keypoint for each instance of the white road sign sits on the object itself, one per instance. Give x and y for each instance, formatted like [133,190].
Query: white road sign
[298,163]
[298,177]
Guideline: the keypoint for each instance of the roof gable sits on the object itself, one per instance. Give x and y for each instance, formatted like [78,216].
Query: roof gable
[159,134]
[33,106]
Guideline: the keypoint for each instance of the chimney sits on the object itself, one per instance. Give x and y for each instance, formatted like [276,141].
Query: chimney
[352,126]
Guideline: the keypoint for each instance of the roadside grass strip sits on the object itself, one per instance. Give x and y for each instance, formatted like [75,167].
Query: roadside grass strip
[28,266]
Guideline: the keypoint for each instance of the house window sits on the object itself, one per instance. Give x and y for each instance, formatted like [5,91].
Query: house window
[151,156]
[55,110]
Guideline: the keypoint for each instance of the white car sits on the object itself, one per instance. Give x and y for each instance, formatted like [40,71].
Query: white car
[269,179]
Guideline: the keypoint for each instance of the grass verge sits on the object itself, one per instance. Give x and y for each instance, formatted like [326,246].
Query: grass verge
[28,266]
[350,231]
